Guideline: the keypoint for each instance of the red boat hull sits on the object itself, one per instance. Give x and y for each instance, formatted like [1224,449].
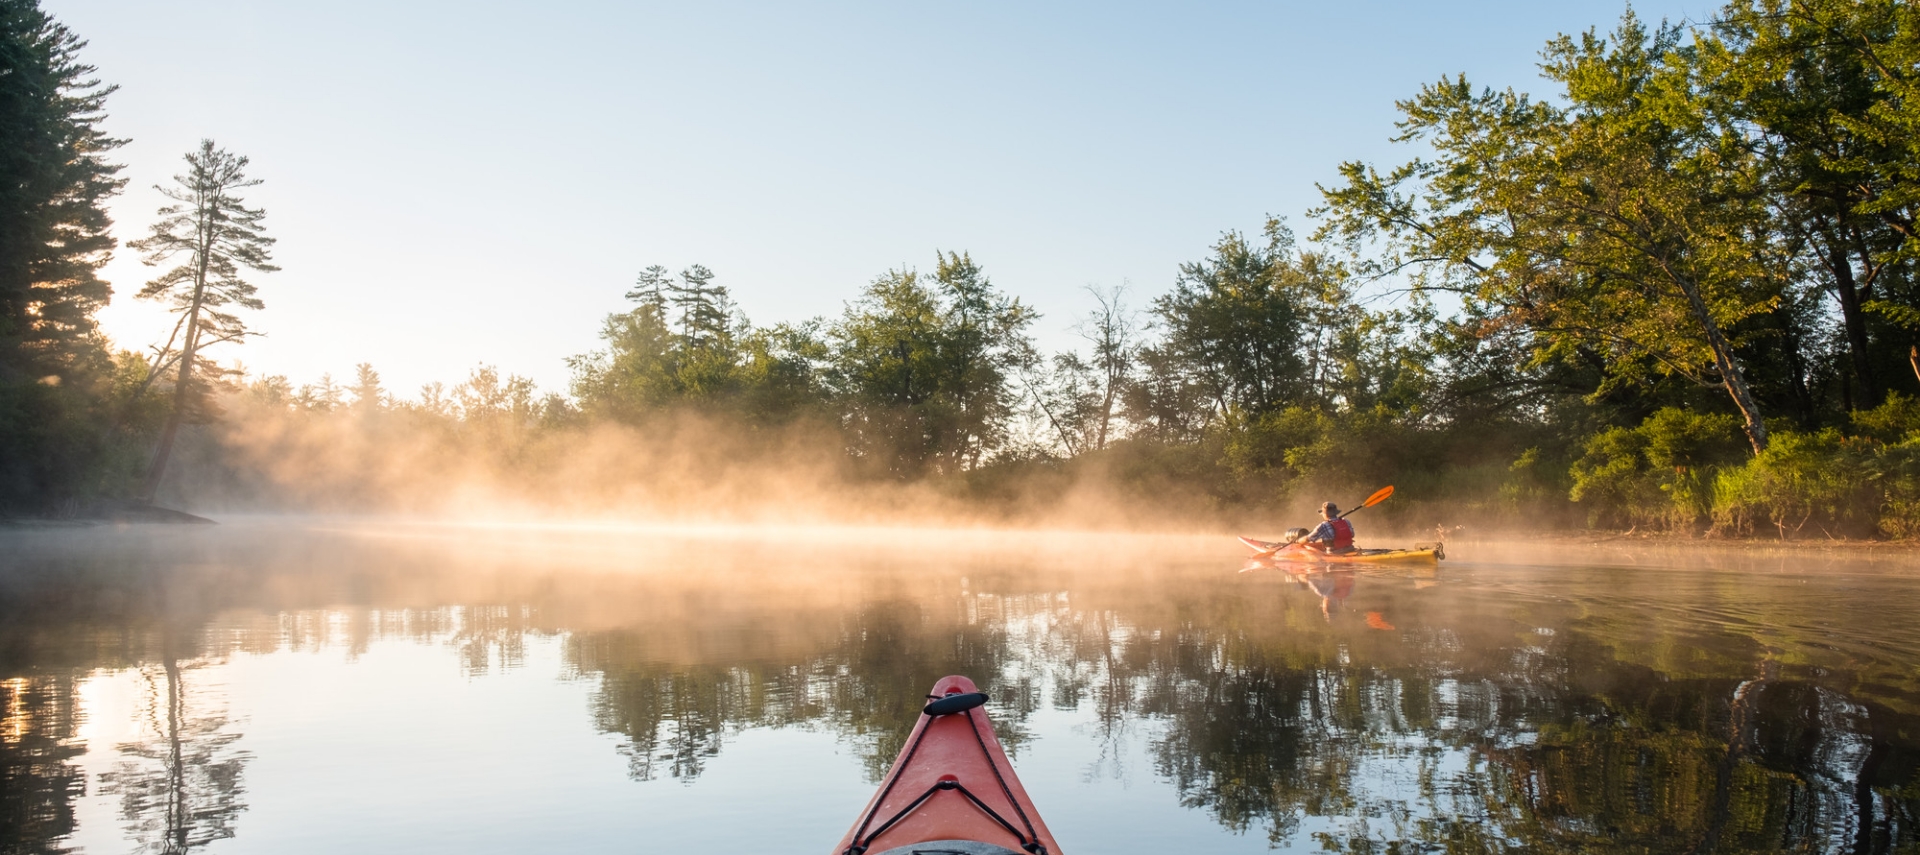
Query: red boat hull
[950,761]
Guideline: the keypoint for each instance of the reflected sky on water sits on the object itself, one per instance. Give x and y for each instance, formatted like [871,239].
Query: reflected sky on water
[326,686]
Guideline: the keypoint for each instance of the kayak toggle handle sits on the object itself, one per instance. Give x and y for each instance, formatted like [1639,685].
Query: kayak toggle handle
[955,704]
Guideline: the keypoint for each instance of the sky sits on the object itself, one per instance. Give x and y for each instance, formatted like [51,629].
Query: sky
[477,183]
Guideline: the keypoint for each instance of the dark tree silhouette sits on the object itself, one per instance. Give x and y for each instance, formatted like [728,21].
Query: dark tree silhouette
[211,238]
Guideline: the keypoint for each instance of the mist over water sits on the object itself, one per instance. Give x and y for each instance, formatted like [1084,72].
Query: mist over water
[294,685]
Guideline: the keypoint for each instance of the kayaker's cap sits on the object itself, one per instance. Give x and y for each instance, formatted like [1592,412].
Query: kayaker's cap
[1329,508]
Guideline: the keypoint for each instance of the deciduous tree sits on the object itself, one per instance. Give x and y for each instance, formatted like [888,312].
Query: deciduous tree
[924,365]
[1619,224]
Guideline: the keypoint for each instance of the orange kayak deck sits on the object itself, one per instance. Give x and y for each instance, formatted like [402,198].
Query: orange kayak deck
[951,785]
[1427,553]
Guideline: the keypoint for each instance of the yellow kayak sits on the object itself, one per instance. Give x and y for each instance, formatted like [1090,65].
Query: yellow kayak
[1424,554]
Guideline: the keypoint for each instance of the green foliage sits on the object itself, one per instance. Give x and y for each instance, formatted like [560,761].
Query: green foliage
[1681,440]
[923,368]
[1613,476]
[1793,81]
[1659,472]
[1617,230]
[1824,479]
[1161,403]
[1681,470]
[74,442]
[41,420]
[211,239]
[1296,441]
[1235,323]
[54,184]
[1896,474]
[684,346]
[1533,485]
[1547,312]
[60,382]
[1896,420]
[919,373]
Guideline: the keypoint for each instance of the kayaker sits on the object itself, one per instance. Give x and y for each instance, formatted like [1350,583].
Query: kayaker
[1334,535]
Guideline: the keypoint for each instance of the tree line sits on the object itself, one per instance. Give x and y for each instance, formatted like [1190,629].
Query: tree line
[1677,290]
[78,415]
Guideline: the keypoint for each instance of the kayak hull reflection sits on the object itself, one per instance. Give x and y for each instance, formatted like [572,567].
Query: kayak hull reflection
[1299,554]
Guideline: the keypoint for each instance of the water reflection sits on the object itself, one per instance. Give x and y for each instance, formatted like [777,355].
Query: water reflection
[1495,708]
[179,786]
[37,777]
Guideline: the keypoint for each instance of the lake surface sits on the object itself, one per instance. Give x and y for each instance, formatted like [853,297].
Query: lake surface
[333,686]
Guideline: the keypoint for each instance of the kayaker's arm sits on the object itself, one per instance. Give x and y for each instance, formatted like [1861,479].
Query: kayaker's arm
[1322,533]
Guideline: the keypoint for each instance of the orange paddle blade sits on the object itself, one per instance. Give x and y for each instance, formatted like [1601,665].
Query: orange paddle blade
[1378,497]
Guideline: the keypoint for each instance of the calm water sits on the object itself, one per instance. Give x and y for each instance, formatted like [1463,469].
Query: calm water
[274,687]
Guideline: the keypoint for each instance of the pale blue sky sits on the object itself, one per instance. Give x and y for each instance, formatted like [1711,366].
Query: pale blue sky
[463,183]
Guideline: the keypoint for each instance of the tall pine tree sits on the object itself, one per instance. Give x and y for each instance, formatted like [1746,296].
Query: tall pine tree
[54,184]
[211,238]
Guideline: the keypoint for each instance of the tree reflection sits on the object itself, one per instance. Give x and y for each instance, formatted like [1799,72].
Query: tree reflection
[39,783]
[1255,744]
[866,678]
[1431,723]
[1366,713]
[1468,732]
[673,719]
[179,788]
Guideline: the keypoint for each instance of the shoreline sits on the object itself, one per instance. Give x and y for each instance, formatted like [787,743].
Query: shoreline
[138,515]
[1656,539]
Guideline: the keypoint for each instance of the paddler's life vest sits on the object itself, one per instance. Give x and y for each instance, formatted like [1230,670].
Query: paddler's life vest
[1342,536]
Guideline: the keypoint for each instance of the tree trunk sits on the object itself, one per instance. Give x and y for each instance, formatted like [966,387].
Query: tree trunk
[1852,319]
[1729,368]
[164,450]
[1797,371]
[178,821]
[1864,800]
[158,467]
[1106,413]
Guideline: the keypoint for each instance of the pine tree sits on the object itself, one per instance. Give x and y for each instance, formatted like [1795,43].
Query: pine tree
[54,184]
[705,308]
[368,396]
[215,238]
[650,289]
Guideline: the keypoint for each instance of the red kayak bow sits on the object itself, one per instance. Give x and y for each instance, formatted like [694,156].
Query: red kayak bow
[951,789]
